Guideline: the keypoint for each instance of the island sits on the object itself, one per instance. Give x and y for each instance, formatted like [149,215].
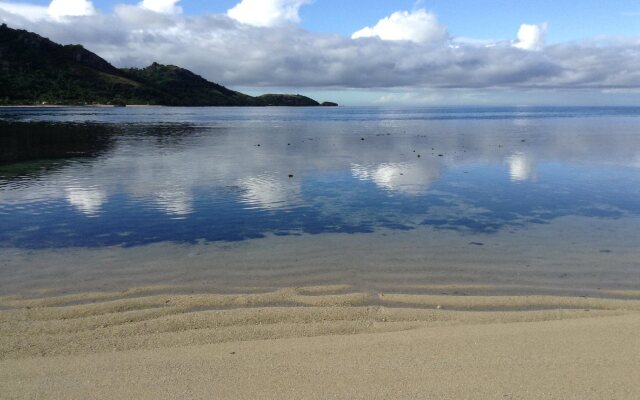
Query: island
[37,71]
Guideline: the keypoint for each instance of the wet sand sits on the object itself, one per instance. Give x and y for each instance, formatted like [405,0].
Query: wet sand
[572,256]
[318,342]
[383,315]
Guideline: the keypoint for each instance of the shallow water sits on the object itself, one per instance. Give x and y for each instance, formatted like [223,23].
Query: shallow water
[138,176]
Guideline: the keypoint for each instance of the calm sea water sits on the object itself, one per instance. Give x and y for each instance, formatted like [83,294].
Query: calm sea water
[132,176]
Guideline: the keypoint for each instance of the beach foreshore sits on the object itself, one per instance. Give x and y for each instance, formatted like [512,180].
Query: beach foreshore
[384,315]
[318,342]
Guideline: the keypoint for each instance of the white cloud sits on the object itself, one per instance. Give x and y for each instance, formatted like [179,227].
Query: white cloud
[57,9]
[418,26]
[70,8]
[27,11]
[267,13]
[242,56]
[531,37]
[162,6]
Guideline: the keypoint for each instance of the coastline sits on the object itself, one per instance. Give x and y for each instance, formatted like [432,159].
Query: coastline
[317,342]
[150,106]
[419,261]
[425,315]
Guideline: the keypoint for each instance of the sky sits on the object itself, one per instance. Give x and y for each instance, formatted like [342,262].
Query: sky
[368,52]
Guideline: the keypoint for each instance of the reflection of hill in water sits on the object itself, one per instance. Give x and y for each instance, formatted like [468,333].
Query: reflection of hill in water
[29,141]
[233,179]
[37,148]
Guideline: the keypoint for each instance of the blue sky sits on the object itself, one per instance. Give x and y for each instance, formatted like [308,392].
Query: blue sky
[368,52]
[488,19]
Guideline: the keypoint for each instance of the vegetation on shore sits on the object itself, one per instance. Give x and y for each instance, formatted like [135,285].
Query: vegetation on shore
[36,70]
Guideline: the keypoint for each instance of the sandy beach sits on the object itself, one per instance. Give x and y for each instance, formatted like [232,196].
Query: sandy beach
[351,254]
[318,342]
[415,318]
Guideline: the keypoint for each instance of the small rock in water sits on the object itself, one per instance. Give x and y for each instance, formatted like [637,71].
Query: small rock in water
[440,155]
[290,175]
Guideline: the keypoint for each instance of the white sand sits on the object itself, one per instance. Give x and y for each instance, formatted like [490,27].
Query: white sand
[318,342]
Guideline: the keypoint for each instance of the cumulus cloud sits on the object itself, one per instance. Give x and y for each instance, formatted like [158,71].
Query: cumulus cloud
[237,54]
[70,8]
[27,11]
[531,37]
[162,6]
[267,13]
[418,26]
[57,9]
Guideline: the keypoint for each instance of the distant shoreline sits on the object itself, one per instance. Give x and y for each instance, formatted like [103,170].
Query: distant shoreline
[145,105]
[77,105]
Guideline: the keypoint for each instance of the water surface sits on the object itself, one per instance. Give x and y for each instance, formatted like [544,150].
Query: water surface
[154,174]
[96,177]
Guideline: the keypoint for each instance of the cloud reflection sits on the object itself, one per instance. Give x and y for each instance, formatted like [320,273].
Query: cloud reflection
[86,200]
[175,202]
[408,178]
[269,193]
[521,168]
[226,163]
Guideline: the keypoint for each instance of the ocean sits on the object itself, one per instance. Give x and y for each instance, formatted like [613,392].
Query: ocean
[537,199]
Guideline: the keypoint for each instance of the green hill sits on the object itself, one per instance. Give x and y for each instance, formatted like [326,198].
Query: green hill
[184,88]
[35,70]
[293,100]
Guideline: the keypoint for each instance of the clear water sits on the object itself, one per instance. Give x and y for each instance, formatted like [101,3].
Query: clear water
[145,175]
